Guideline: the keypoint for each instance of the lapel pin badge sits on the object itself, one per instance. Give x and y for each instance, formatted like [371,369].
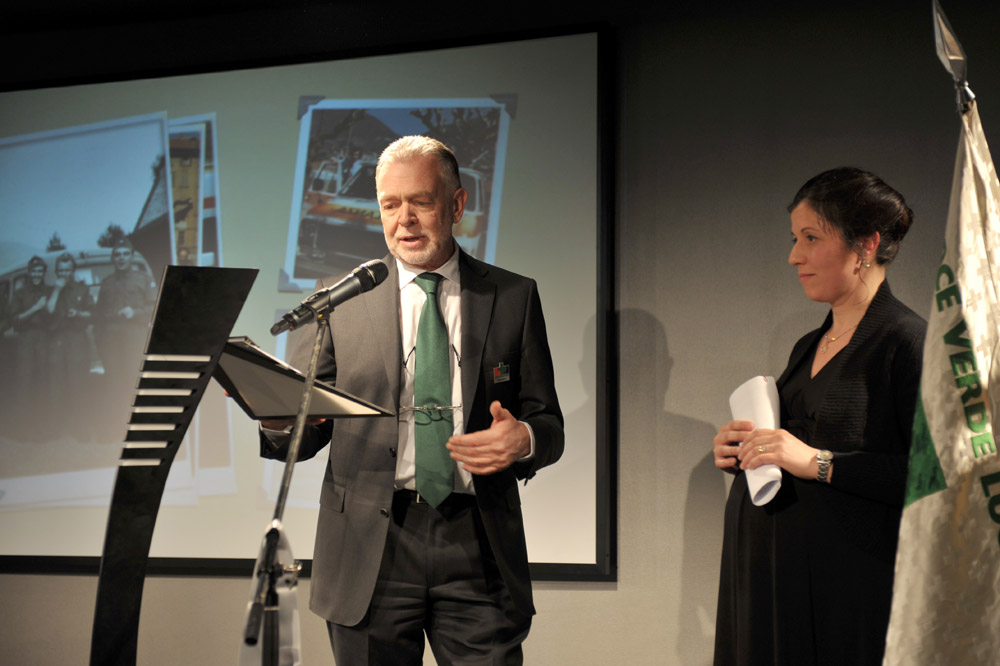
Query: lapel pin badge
[501,373]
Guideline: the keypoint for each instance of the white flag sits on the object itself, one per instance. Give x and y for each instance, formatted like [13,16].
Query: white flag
[946,599]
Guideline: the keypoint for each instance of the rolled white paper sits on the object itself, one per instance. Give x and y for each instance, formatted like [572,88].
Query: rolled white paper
[756,400]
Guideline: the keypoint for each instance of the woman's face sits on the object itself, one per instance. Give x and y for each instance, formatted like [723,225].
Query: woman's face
[827,268]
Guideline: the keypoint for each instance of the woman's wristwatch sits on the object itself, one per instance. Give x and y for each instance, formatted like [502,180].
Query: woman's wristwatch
[823,461]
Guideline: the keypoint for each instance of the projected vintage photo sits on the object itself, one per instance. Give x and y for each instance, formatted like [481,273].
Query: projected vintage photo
[91,216]
[187,159]
[335,223]
[86,232]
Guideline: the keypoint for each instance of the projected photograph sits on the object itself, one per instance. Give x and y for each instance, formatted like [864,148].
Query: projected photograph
[211,215]
[335,223]
[88,228]
[206,456]
[187,160]
[193,155]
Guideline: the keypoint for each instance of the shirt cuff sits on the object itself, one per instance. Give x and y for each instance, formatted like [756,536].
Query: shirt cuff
[531,434]
[277,435]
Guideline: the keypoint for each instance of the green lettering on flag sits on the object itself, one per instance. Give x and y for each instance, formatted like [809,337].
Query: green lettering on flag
[956,336]
[925,475]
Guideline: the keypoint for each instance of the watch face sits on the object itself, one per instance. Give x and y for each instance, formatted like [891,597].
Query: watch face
[825,455]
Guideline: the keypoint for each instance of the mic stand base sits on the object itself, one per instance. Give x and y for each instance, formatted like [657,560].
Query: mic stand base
[273,606]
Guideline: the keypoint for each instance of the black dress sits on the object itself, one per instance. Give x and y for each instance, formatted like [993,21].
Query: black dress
[807,579]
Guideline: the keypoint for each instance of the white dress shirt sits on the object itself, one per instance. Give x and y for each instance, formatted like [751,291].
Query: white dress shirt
[411,302]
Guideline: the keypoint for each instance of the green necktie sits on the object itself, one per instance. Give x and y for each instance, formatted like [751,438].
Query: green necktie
[432,388]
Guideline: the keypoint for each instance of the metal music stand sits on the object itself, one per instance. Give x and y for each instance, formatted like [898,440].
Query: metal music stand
[265,387]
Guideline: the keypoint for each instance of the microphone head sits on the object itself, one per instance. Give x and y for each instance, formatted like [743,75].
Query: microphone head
[371,273]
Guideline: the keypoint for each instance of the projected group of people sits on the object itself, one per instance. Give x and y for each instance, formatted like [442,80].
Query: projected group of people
[63,342]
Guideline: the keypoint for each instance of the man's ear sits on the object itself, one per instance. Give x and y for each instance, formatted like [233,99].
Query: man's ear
[458,204]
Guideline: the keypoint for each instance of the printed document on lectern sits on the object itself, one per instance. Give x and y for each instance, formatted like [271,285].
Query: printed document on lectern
[266,387]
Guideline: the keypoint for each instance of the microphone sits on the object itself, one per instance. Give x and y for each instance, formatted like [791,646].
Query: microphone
[361,279]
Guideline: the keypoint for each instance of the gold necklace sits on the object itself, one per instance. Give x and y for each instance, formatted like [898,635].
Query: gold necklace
[830,339]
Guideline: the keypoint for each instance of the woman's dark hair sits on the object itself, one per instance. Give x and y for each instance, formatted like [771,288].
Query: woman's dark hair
[858,203]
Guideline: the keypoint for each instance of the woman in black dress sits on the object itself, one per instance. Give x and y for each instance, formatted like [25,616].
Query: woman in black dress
[807,578]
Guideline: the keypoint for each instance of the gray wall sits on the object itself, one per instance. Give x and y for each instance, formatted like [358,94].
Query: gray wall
[721,118]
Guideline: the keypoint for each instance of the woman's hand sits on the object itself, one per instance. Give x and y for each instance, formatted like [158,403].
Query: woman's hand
[778,447]
[726,444]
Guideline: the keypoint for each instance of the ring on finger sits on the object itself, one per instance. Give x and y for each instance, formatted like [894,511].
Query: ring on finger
[761,449]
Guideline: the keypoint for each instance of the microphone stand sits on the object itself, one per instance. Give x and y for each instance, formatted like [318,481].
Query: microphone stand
[264,606]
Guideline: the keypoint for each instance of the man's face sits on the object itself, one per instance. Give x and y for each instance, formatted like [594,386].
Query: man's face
[64,270]
[121,258]
[418,212]
[36,274]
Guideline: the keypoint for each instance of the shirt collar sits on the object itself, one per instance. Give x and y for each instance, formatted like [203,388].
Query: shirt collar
[448,270]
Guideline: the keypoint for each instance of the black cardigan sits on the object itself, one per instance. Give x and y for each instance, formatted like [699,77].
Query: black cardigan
[866,416]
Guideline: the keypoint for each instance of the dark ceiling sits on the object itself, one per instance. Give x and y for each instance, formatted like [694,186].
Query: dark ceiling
[56,42]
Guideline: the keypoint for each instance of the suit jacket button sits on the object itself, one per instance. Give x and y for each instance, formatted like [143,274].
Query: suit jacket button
[383,512]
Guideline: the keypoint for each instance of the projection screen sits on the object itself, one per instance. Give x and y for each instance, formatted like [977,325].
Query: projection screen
[271,168]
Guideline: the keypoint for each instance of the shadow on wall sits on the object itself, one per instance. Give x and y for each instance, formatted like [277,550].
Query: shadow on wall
[681,447]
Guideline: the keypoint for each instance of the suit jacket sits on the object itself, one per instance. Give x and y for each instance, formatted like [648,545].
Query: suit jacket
[501,323]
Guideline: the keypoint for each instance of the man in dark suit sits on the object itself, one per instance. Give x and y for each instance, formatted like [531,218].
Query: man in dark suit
[394,561]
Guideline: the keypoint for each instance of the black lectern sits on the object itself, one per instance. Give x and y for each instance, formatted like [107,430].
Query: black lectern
[195,313]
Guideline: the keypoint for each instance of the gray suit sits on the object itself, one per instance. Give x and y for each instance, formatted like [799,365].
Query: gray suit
[501,323]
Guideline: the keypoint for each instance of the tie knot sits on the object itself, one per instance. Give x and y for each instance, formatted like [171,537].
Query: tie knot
[428,282]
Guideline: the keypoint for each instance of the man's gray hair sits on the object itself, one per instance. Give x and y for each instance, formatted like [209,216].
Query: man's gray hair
[410,147]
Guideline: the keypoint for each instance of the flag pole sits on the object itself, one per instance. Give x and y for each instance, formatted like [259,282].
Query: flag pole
[946,591]
[952,56]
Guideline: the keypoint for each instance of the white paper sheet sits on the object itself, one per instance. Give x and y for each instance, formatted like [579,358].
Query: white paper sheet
[756,400]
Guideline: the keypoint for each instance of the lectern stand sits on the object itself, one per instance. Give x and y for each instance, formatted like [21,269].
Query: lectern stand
[195,312]
[189,344]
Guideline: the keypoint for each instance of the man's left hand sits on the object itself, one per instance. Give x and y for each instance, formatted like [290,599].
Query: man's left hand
[498,447]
